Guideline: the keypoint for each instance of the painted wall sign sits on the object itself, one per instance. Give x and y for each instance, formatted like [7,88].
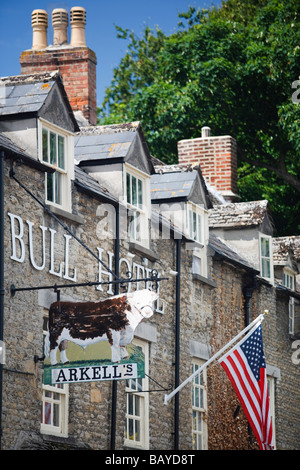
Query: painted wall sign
[62,268]
[89,325]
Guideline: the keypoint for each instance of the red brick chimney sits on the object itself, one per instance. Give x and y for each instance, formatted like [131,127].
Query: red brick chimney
[217,157]
[75,61]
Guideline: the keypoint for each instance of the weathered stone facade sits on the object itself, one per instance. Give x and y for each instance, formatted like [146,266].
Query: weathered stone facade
[214,285]
[212,313]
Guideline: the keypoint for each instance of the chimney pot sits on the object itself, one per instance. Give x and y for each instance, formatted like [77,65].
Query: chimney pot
[60,25]
[205,132]
[78,21]
[39,22]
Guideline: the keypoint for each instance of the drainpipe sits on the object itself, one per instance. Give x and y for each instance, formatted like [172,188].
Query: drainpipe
[2,292]
[247,292]
[117,289]
[177,344]
[247,296]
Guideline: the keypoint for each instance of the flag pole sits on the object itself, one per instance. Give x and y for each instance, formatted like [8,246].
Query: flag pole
[170,395]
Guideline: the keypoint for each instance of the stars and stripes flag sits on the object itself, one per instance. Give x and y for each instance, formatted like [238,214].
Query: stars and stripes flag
[246,369]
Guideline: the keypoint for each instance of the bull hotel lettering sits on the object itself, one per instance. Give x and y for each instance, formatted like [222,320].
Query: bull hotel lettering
[62,268]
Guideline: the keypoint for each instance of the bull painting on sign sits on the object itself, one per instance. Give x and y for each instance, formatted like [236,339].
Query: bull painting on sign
[91,341]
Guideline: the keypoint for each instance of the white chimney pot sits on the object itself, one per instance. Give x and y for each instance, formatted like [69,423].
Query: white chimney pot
[78,21]
[205,132]
[39,22]
[60,26]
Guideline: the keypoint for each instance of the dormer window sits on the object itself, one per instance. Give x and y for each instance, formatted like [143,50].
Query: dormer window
[195,222]
[266,257]
[56,152]
[137,193]
[288,279]
[197,230]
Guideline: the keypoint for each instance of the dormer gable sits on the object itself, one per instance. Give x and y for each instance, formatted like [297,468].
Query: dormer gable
[118,157]
[35,115]
[24,99]
[247,227]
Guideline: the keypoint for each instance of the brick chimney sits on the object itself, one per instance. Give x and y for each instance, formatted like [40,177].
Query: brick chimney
[75,61]
[217,157]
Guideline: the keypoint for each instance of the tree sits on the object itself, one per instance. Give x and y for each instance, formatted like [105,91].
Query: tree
[235,69]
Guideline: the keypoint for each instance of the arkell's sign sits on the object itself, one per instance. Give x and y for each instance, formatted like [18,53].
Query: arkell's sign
[83,330]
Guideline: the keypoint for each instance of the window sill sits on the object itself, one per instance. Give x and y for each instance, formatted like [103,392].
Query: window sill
[209,282]
[66,215]
[143,251]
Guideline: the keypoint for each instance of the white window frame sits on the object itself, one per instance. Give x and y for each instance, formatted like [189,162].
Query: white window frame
[291,315]
[263,258]
[199,233]
[199,407]
[289,278]
[137,396]
[138,228]
[55,397]
[66,174]
[195,222]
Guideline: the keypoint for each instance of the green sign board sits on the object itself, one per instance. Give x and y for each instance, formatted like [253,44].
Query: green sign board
[86,369]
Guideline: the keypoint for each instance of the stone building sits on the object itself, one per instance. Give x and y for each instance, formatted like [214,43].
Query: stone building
[84,206]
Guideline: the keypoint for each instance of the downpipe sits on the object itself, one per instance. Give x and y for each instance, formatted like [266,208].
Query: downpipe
[177,344]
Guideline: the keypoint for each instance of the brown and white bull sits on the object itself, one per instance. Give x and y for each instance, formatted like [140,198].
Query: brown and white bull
[114,320]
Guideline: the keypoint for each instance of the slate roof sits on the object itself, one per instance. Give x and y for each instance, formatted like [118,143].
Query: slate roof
[102,142]
[25,93]
[90,147]
[172,185]
[238,214]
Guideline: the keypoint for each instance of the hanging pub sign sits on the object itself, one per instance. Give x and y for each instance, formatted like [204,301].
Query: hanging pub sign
[91,341]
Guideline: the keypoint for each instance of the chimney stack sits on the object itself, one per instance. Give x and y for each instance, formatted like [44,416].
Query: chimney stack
[78,21]
[60,26]
[75,61]
[39,22]
[217,157]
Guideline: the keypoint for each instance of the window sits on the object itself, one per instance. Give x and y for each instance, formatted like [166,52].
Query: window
[197,230]
[54,155]
[55,151]
[137,407]
[55,405]
[136,191]
[194,223]
[266,257]
[289,279]
[199,409]
[54,410]
[291,315]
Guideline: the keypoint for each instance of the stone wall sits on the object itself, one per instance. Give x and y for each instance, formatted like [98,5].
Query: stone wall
[211,314]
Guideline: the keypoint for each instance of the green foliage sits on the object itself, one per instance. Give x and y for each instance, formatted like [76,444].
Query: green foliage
[231,69]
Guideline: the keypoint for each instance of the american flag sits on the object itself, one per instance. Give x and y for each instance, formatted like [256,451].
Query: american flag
[246,368]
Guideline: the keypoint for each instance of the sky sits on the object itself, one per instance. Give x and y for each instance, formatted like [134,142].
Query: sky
[101,37]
